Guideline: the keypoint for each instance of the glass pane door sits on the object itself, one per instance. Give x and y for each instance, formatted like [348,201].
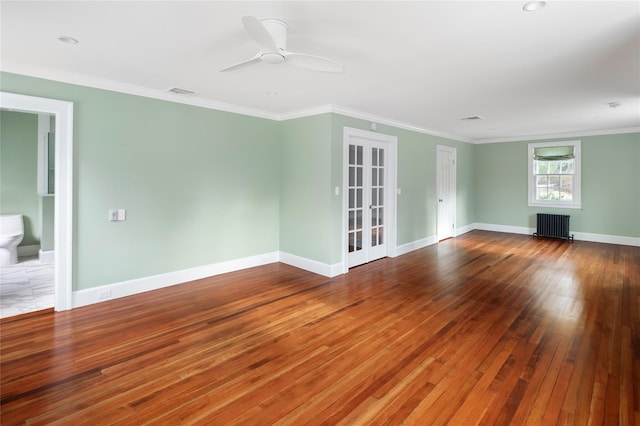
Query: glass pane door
[377,201]
[377,196]
[366,235]
[356,199]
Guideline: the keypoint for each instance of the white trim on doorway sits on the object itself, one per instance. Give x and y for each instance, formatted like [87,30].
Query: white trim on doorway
[392,170]
[63,228]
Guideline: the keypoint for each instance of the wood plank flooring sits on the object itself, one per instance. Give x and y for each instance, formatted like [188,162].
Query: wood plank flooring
[486,328]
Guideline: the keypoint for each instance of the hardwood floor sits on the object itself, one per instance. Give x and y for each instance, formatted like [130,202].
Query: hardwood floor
[486,328]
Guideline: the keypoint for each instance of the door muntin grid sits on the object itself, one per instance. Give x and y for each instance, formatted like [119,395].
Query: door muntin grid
[377,196]
[356,198]
[366,201]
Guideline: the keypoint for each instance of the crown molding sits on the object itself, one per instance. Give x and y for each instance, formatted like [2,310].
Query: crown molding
[395,123]
[349,112]
[307,112]
[598,132]
[131,89]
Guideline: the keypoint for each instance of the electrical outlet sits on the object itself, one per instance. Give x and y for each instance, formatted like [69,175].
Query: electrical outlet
[104,294]
[122,214]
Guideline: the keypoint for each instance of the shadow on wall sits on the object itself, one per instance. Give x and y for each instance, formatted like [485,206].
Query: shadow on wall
[29,238]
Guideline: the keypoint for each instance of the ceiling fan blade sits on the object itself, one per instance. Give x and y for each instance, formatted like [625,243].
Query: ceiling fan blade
[312,62]
[243,64]
[259,33]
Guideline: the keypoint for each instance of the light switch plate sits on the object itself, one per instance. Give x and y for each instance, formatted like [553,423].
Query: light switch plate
[117,215]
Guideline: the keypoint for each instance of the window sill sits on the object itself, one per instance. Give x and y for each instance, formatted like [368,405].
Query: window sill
[555,205]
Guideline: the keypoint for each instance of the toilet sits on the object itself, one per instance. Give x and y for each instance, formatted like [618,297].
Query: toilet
[11,233]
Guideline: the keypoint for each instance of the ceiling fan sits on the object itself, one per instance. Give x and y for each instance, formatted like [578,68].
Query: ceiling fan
[271,37]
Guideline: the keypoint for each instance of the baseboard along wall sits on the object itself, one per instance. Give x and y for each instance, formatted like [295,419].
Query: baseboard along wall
[140,285]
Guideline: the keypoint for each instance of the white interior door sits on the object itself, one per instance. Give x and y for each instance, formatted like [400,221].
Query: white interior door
[368,199]
[446,191]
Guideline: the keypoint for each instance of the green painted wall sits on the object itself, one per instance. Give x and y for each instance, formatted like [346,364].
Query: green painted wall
[203,186]
[18,171]
[610,185]
[306,219]
[312,165]
[199,186]
[47,205]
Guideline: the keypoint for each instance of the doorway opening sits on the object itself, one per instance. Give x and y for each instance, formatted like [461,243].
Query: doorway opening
[63,178]
[28,147]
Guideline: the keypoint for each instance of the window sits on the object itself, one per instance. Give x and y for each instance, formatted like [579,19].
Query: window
[554,174]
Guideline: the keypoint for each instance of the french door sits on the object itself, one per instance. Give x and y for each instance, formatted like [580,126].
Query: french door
[367,188]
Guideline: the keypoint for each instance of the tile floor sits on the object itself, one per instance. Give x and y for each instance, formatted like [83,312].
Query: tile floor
[26,286]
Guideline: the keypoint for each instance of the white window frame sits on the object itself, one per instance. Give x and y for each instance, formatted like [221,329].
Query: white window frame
[576,202]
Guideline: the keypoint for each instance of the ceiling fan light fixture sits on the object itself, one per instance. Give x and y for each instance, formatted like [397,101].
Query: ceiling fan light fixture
[533,6]
[272,58]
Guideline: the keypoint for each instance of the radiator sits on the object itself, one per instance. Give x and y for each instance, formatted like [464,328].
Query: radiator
[553,225]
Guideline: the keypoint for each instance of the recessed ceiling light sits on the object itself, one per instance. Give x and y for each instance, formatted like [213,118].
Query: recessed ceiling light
[532,6]
[271,93]
[68,40]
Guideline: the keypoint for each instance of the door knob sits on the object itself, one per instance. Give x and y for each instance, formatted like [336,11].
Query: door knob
[439,200]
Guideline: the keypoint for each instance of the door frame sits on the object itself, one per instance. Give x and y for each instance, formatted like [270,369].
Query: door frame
[63,203]
[392,169]
[439,171]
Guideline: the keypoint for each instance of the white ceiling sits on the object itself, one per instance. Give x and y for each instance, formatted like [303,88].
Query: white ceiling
[421,65]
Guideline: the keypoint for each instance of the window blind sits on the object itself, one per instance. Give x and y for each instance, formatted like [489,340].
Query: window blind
[553,153]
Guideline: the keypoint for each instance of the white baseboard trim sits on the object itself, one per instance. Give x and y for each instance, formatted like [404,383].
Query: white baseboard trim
[46,256]
[504,228]
[607,239]
[465,229]
[578,236]
[24,251]
[415,245]
[312,265]
[140,285]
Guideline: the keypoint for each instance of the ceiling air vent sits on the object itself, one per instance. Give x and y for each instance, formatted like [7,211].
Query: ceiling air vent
[472,118]
[180,91]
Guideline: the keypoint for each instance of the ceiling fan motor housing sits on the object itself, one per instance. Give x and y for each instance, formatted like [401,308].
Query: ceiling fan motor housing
[272,58]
